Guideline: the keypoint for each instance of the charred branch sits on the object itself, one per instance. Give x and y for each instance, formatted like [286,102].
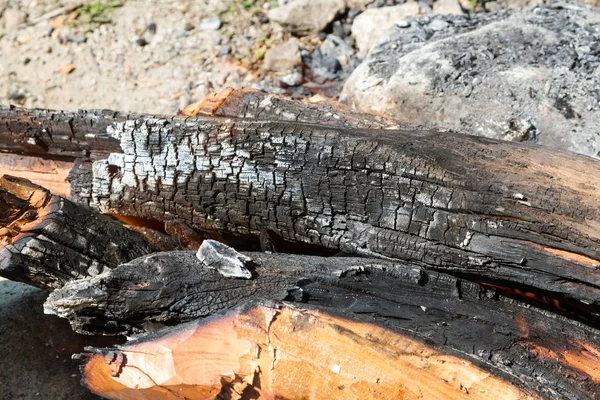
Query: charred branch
[369,302]
[46,240]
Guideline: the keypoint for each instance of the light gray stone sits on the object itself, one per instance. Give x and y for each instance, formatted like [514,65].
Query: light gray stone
[210,24]
[358,3]
[523,74]
[224,259]
[447,7]
[369,27]
[437,25]
[292,79]
[305,17]
[336,47]
[283,58]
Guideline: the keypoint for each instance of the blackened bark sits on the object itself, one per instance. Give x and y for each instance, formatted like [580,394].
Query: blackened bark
[60,134]
[507,214]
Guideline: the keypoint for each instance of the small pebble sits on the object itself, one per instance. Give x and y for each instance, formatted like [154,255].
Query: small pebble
[76,38]
[467,90]
[16,96]
[292,79]
[403,24]
[210,24]
[178,34]
[26,61]
[151,28]
[225,50]
[141,42]
[438,25]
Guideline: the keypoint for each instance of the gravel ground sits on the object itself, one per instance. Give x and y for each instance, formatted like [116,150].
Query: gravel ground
[157,56]
[154,56]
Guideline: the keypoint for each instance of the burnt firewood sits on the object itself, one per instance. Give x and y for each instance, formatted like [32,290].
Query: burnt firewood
[357,317]
[46,240]
[264,172]
[58,134]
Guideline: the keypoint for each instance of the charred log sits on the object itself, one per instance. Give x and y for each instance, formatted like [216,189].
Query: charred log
[366,314]
[270,173]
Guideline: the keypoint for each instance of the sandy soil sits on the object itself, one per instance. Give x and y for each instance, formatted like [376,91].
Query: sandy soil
[42,66]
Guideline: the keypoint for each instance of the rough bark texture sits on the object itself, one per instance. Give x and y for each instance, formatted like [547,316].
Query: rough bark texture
[58,134]
[263,172]
[461,231]
[46,240]
[550,355]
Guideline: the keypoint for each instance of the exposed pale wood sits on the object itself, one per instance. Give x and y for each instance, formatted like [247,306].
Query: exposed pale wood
[51,174]
[288,353]
[46,240]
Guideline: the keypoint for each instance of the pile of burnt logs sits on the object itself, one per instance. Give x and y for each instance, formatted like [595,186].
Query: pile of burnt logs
[256,247]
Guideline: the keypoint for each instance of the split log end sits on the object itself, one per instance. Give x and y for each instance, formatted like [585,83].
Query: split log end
[270,352]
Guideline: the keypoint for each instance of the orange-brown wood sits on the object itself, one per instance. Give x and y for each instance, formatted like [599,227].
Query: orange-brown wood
[209,105]
[51,174]
[582,357]
[287,353]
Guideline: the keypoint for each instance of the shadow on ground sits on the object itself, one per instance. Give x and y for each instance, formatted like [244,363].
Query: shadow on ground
[36,349]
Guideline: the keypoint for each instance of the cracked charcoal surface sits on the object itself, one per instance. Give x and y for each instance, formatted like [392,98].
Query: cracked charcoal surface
[319,178]
[523,75]
[63,241]
[339,189]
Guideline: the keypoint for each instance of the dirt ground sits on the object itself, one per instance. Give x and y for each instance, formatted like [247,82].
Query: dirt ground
[152,57]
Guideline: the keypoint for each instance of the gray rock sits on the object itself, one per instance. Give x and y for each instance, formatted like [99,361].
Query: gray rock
[76,38]
[226,49]
[283,58]
[447,7]
[179,33]
[438,25]
[336,47]
[370,27]
[224,259]
[521,74]
[325,66]
[292,79]
[306,17]
[358,3]
[210,24]
[518,3]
